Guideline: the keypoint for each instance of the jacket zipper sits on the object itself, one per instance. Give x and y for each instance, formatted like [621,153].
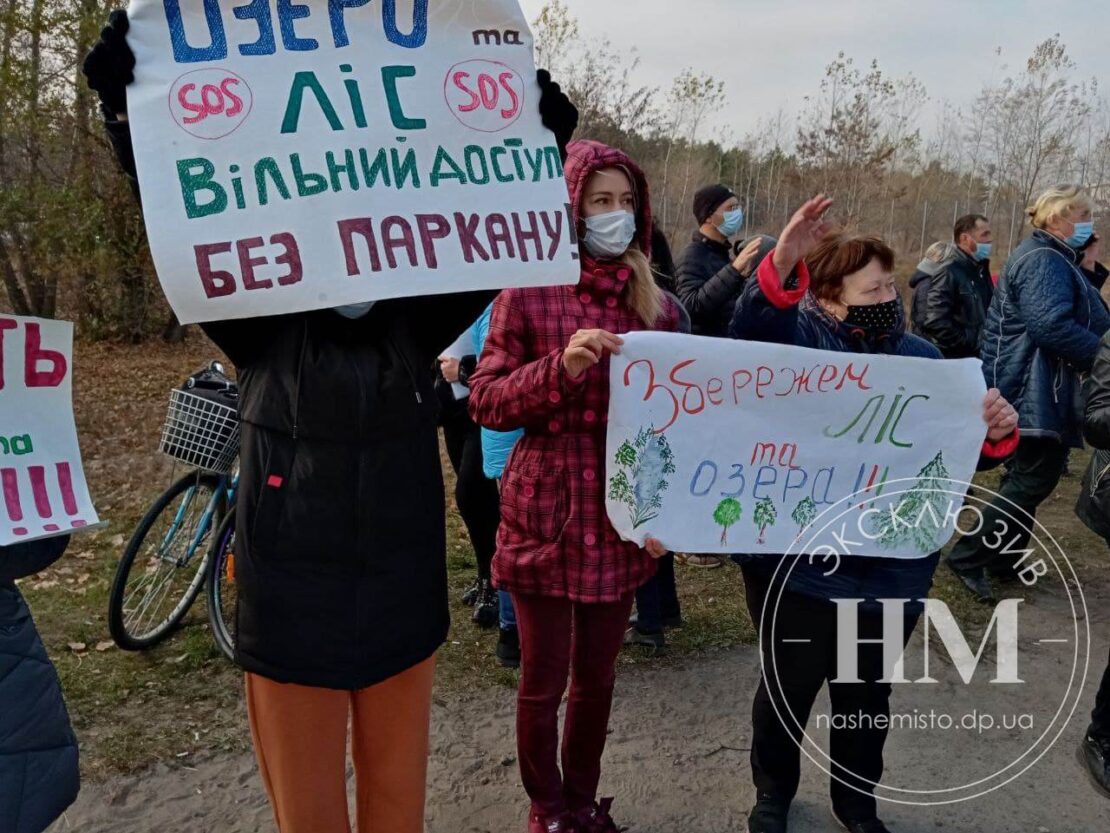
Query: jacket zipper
[408,369]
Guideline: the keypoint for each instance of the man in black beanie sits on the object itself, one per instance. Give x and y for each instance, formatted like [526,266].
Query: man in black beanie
[709,278]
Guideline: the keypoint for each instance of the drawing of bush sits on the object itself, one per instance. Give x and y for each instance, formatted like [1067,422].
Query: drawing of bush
[804,514]
[726,514]
[646,462]
[765,516]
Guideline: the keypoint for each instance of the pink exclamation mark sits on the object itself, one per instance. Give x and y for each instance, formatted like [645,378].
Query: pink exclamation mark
[65,483]
[38,489]
[11,499]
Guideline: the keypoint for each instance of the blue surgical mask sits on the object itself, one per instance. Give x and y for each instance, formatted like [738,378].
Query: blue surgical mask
[983,251]
[609,235]
[1081,235]
[734,221]
[354,311]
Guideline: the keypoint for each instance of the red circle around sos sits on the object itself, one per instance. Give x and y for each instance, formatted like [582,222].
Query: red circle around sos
[210,103]
[484,95]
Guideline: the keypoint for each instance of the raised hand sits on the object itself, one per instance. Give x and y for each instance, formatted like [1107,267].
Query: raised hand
[1000,416]
[586,348]
[109,66]
[806,229]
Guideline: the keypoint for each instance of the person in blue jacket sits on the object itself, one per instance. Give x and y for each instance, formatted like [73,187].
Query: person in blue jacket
[832,292]
[1042,332]
[496,447]
[39,775]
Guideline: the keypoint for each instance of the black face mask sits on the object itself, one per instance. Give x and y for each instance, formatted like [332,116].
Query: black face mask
[875,318]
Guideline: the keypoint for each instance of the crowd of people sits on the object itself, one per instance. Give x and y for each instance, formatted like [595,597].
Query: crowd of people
[341,614]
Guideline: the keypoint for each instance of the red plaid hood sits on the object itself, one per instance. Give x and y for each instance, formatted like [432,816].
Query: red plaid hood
[586,156]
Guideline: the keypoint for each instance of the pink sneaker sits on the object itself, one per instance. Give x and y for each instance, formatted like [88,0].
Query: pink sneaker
[552,824]
[596,819]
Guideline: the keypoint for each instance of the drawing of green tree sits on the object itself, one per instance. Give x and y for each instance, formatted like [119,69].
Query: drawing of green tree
[919,514]
[726,514]
[646,462]
[804,514]
[765,516]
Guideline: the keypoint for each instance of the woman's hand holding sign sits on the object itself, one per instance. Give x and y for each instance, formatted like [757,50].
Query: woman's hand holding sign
[586,348]
[1000,416]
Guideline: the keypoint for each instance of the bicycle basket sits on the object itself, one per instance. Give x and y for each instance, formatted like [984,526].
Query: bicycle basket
[201,432]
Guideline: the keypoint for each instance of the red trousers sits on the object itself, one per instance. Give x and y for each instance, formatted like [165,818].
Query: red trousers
[558,636]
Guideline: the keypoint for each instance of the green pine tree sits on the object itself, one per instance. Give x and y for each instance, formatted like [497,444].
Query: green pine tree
[917,516]
[646,464]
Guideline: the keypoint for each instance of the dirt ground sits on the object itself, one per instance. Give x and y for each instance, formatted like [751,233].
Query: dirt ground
[163,733]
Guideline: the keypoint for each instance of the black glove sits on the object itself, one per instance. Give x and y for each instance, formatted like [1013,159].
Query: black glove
[559,115]
[109,65]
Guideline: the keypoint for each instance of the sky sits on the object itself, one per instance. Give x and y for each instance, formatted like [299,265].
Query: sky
[772,53]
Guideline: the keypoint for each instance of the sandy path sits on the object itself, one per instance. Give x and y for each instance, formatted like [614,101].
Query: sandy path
[676,760]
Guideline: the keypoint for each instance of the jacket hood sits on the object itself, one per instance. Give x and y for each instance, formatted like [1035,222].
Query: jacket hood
[928,267]
[584,157]
[1042,236]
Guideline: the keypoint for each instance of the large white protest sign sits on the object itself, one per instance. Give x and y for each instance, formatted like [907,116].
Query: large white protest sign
[304,155]
[721,446]
[41,478]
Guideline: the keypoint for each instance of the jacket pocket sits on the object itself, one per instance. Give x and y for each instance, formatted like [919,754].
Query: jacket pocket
[271,490]
[534,501]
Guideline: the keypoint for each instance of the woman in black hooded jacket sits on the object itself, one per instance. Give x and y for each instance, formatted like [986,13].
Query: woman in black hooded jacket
[340,565]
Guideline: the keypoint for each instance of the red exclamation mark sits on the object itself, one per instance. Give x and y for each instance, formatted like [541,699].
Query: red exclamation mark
[10,487]
[38,489]
[573,229]
[65,483]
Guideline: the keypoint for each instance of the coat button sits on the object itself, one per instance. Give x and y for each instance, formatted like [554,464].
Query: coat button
[554,426]
[585,298]
[589,416]
[554,398]
[624,274]
[588,475]
[590,539]
[611,302]
[529,491]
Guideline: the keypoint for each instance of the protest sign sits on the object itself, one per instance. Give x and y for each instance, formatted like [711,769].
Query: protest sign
[43,484]
[297,156]
[718,446]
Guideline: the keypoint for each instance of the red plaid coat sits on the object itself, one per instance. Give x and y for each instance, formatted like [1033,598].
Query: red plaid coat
[555,538]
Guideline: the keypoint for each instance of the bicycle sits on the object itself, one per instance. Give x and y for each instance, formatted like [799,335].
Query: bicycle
[165,564]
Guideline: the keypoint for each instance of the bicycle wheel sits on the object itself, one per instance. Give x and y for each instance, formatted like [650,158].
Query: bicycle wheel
[220,586]
[162,568]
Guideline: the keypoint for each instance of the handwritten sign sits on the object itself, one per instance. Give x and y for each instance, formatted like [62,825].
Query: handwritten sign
[304,155]
[41,479]
[720,446]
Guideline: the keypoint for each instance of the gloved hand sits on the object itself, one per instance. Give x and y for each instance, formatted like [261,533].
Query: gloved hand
[559,114]
[108,67]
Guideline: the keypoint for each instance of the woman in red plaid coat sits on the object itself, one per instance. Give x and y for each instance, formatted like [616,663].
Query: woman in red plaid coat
[545,369]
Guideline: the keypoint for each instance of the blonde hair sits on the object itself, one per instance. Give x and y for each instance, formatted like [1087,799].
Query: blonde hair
[642,294]
[1058,202]
[938,252]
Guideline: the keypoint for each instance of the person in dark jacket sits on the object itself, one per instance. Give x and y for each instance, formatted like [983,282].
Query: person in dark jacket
[340,571]
[831,293]
[1092,267]
[1093,508]
[960,293]
[1042,330]
[920,281]
[709,276]
[39,775]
